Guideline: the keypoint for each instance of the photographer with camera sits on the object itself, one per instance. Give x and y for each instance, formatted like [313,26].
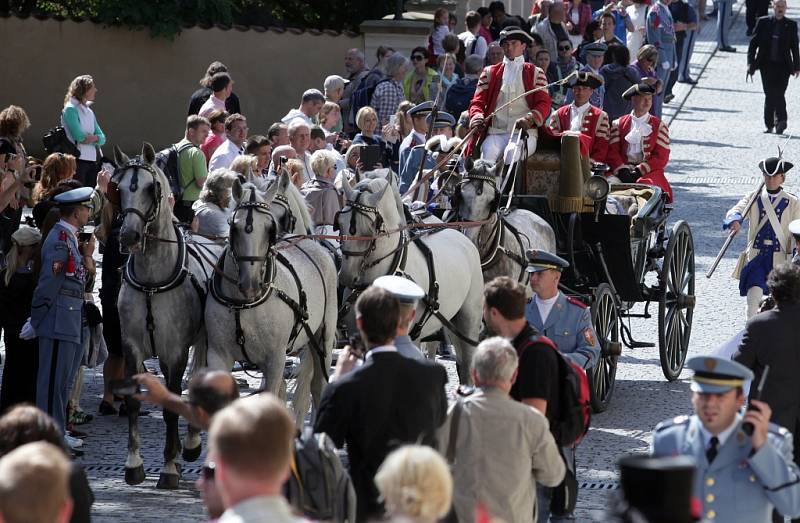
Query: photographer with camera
[14,176]
[740,477]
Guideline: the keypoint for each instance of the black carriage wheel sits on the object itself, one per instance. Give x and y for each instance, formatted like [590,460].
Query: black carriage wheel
[676,300]
[605,318]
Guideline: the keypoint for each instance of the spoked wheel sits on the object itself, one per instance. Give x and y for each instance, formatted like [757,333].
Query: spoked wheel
[605,318]
[676,302]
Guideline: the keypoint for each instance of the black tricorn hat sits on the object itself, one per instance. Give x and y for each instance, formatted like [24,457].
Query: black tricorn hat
[659,488]
[774,165]
[635,89]
[513,32]
[587,79]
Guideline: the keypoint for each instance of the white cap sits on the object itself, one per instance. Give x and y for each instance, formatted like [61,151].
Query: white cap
[401,288]
[794,228]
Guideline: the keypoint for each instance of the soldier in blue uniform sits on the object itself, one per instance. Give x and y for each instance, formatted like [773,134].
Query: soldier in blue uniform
[565,320]
[442,126]
[419,120]
[739,478]
[794,229]
[57,306]
[768,239]
[661,34]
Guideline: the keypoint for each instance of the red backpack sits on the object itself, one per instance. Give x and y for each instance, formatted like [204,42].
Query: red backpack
[571,422]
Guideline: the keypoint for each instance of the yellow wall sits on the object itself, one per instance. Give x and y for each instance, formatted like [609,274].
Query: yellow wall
[145,84]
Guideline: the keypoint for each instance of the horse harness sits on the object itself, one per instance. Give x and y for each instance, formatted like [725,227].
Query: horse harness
[398,267]
[269,271]
[490,257]
[155,207]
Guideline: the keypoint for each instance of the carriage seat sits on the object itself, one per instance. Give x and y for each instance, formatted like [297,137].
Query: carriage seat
[643,203]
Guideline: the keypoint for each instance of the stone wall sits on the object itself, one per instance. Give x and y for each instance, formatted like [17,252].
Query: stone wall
[145,83]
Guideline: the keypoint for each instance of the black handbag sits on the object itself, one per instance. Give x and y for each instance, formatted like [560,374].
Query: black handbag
[56,141]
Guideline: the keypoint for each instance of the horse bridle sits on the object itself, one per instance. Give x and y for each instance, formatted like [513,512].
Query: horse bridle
[289,219]
[251,206]
[155,206]
[484,178]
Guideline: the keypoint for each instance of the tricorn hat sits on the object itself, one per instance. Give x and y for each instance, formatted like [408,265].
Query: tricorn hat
[586,79]
[513,32]
[638,89]
[774,165]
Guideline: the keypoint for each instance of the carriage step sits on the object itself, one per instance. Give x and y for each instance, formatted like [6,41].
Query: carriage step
[639,344]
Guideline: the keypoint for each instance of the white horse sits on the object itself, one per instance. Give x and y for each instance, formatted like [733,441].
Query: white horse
[507,233]
[444,263]
[160,301]
[276,296]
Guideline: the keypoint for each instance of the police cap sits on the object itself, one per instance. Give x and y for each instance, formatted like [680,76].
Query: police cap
[542,261]
[642,88]
[421,110]
[774,165]
[79,196]
[595,49]
[443,120]
[405,290]
[716,375]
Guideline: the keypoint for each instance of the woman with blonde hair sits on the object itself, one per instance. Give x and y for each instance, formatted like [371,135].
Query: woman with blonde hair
[13,122]
[320,192]
[330,118]
[18,278]
[82,128]
[415,485]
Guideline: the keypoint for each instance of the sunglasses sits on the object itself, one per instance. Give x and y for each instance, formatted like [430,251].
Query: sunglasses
[208,470]
[564,48]
[417,57]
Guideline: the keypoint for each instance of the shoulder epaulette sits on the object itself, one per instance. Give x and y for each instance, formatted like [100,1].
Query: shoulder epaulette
[680,420]
[779,431]
[576,301]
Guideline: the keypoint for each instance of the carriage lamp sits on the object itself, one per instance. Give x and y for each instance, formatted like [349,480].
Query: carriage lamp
[596,187]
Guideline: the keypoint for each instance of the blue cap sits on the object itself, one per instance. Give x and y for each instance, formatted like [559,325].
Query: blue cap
[422,109]
[405,290]
[539,261]
[595,48]
[716,375]
[79,196]
[443,119]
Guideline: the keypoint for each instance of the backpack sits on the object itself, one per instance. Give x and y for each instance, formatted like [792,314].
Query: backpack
[571,423]
[167,161]
[319,485]
[362,96]
[459,96]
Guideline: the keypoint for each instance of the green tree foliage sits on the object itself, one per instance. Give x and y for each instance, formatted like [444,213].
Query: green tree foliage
[166,18]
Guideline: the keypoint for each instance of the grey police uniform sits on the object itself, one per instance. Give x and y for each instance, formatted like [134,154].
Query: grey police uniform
[739,485]
[56,315]
[661,34]
[569,325]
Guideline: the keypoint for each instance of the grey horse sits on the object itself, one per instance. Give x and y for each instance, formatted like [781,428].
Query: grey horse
[507,233]
[375,241]
[161,300]
[276,297]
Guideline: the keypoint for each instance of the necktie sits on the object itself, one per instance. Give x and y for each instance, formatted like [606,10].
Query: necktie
[711,453]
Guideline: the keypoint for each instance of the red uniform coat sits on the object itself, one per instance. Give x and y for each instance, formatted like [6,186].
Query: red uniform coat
[594,130]
[655,150]
[484,101]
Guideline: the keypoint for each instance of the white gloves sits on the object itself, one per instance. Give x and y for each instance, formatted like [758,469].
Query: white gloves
[27,332]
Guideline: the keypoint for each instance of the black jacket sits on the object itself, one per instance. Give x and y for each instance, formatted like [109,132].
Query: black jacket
[759,50]
[390,401]
[200,96]
[770,338]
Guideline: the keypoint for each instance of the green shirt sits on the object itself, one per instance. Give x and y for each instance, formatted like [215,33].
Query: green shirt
[192,165]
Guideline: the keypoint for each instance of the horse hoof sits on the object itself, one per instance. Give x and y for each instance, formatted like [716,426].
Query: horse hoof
[134,476]
[168,481]
[191,455]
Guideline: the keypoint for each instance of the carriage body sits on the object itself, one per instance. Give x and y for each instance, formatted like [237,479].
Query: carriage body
[617,259]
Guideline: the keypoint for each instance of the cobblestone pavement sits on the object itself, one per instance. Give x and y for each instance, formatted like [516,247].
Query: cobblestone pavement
[716,143]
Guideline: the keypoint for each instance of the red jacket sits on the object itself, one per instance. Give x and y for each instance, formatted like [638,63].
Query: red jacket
[655,150]
[584,17]
[484,100]
[594,130]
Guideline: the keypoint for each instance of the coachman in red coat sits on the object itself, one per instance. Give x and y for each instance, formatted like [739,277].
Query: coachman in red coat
[501,83]
[580,116]
[639,147]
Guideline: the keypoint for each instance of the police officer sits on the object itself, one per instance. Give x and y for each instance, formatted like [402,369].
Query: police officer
[739,478]
[661,34]
[57,306]
[442,126]
[419,120]
[565,320]
[768,242]
[794,229]
[408,294]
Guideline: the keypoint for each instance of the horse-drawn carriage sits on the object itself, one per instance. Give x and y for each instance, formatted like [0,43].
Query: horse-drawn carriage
[621,252]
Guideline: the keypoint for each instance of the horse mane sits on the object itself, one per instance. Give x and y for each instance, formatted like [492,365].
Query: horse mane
[298,205]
